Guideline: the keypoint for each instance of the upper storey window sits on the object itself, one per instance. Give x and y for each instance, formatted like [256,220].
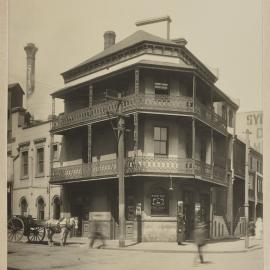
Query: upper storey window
[160,140]
[161,88]
[230,118]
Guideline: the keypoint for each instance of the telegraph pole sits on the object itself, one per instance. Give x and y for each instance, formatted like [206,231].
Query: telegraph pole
[121,167]
[157,20]
[247,132]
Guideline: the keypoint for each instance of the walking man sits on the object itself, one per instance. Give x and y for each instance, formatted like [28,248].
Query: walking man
[96,234]
[200,240]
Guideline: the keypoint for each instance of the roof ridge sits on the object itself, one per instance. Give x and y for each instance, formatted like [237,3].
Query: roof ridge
[135,38]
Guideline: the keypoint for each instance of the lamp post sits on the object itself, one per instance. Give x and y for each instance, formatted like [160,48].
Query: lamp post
[121,168]
[247,132]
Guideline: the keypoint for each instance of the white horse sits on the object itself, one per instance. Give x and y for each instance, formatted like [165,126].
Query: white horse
[63,226]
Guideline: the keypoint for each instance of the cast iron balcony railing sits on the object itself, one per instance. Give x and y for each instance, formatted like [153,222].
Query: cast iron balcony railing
[209,116]
[239,168]
[160,166]
[139,102]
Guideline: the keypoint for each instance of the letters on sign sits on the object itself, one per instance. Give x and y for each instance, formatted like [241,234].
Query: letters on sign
[254,119]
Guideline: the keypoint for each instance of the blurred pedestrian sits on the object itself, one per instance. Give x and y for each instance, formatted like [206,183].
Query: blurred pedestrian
[96,234]
[200,240]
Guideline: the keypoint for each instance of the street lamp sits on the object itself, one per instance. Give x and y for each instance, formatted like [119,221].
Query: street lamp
[247,132]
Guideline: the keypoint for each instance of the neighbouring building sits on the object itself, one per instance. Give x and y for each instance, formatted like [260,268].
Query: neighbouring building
[15,100]
[255,193]
[253,121]
[29,153]
[178,140]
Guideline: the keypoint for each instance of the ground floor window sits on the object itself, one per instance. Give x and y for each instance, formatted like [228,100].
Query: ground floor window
[40,209]
[56,207]
[24,206]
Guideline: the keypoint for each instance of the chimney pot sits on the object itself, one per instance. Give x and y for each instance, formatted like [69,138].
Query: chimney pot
[109,39]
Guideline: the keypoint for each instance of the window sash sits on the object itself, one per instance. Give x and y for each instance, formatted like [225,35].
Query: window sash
[24,160]
[40,160]
[160,140]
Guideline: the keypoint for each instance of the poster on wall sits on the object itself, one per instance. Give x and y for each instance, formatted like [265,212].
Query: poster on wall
[159,203]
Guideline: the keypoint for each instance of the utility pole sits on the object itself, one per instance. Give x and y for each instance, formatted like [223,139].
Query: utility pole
[121,167]
[247,132]
[157,20]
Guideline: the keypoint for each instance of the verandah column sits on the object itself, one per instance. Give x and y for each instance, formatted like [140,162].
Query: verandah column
[90,95]
[135,134]
[193,121]
[137,81]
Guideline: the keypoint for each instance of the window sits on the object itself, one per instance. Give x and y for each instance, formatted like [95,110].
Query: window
[56,208]
[24,164]
[40,209]
[259,186]
[250,162]
[160,140]
[40,161]
[230,120]
[251,182]
[161,88]
[223,112]
[24,207]
[55,152]
[159,202]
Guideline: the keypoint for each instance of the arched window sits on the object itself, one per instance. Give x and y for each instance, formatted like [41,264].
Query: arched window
[56,207]
[159,202]
[40,209]
[24,206]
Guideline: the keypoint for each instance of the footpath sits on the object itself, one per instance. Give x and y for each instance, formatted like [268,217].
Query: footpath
[221,246]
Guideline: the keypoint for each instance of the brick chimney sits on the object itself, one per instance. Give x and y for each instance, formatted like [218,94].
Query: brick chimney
[109,39]
[30,50]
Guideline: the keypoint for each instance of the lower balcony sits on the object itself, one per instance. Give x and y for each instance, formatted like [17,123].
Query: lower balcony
[141,165]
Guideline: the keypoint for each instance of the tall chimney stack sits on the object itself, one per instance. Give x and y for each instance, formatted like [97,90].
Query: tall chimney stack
[30,50]
[109,39]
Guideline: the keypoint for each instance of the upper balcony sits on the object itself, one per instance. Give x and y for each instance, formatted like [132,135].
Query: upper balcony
[167,104]
[141,165]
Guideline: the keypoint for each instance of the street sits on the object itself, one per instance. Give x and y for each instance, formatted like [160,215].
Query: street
[79,257]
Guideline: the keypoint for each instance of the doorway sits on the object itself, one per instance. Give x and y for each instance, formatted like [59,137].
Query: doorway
[188,212]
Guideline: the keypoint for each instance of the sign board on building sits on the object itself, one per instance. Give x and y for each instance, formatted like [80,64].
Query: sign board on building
[253,121]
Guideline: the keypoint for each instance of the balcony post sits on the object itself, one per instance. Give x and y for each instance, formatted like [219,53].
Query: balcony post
[212,153]
[90,95]
[89,143]
[193,142]
[194,91]
[136,134]
[137,81]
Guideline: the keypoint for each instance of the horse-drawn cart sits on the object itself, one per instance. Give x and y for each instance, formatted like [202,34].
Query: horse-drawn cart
[19,226]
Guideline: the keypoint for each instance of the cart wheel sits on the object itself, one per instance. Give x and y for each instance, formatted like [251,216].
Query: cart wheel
[15,229]
[36,234]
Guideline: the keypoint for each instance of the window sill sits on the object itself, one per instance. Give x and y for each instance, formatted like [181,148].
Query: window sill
[24,177]
[40,176]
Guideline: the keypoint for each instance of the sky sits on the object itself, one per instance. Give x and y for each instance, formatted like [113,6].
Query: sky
[225,35]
